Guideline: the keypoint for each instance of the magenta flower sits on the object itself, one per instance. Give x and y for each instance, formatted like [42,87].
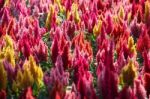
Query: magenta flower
[127,93]
[139,90]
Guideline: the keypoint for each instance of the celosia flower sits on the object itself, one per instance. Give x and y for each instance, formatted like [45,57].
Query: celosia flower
[90,20]
[10,29]
[41,52]
[146,57]
[30,74]
[97,28]
[36,71]
[6,2]
[27,94]
[109,26]
[30,44]
[147,83]
[66,56]
[105,55]
[3,76]
[60,47]
[10,70]
[16,85]
[120,63]
[127,93]
[25,48]
[128,74]
[107,76]
[80,64]
[143,42]
[135,8]
[120,33]
[2,3]
[5,17]
[57,80]
[140,15]
[27,78]
[101,5]
[75,13]
[74,94]
[132,46]
[50,17]
[83,45]
[54,49]
[60,6]
[82,77]
[3,94]
[23,80]
[71,29]
[68,5]
[107,84]
[147,10]
[8,52]
[136,29]
[102,40]
[85,86]
[139,90]
[124,46]
[121,12]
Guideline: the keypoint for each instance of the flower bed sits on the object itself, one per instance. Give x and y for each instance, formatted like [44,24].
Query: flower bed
[74,49]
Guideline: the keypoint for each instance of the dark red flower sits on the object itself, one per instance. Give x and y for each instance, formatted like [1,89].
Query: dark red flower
[146,57]
[127,93]
[147,83]
[2,94]
[143,42]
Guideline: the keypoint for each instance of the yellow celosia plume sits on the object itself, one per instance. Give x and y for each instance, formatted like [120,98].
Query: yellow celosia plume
[6,3]
[147,9]
[7,51]
[97,28]
[75,13]
[3,76]
[132,46]
[49,16]
[129,73]
[121,12]
[36,71]
[61,8]
[31,74]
